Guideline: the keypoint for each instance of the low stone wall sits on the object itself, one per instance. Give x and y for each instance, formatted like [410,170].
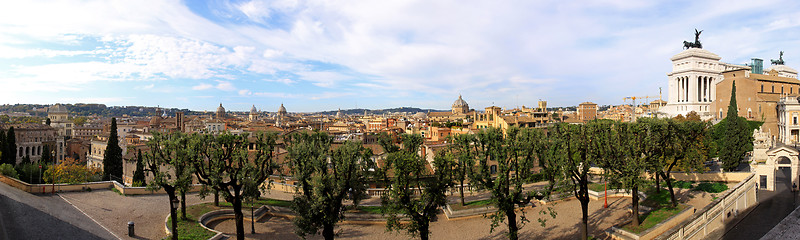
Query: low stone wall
[219,215]
[60,187]
[79,187]
[711,177]
[653,232]
[450,214]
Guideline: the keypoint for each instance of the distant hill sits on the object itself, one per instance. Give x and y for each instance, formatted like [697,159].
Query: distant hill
[360,111]
[83,109]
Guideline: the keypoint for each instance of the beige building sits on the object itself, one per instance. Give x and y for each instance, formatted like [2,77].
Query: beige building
[587,111]
[31,139]
[757,93]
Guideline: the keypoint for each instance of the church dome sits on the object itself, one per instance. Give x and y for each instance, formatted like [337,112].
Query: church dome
[459,103]
[58,108]
[460,106]
[282,110]
[155,121]
[253,110]
[220,109]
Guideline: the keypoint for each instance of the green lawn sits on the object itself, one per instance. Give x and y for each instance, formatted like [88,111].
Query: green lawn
[657,200]
[472,204]
[655,217]
[597,187]
[371,209]
[189,228]
[711,187]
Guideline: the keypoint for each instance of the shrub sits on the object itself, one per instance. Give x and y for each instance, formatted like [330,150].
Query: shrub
[71,172]
[684,184]
[30,172]
[715,187]
[8,170]
[538,177]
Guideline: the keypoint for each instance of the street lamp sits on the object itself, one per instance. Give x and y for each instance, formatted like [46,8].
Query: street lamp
[175,203]
[53,155]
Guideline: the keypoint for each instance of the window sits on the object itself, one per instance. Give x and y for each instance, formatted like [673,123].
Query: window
[762,87]
[763,181]
[720,113]
[794,120]
[781,89]
[773,88]
[493,169]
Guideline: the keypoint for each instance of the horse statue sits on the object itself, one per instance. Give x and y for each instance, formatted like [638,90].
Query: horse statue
[696,43]
[779,61]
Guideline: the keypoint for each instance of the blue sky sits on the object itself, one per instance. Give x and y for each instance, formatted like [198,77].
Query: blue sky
[328,54]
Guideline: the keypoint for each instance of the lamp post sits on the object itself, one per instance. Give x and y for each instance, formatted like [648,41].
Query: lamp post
[53,154]
[605,195]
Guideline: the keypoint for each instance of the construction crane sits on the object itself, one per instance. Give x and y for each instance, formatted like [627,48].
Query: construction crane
[633,99]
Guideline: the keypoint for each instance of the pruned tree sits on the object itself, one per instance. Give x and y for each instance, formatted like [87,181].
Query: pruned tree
[570,152]
[112,158]
[227,164]
[685,145]
[166,152]
[412,177]
[327,177]
[513,156]
[622,148]
[463,150]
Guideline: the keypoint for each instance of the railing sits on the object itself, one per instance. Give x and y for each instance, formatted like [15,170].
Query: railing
[718,213]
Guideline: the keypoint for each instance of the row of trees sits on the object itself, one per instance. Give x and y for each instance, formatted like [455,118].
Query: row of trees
[493,160]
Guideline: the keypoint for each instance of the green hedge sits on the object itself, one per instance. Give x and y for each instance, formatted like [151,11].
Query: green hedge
[8,170]
[715,187]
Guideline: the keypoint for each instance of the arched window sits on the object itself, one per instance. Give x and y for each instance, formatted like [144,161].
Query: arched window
[720,113]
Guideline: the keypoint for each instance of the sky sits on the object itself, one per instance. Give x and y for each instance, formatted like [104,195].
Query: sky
[330,54]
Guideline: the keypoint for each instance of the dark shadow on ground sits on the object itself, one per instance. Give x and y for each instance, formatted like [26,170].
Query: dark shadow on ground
[22,221]
[773,207]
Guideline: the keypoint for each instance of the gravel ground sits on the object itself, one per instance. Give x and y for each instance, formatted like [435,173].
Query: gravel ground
[564,226]
[113,211]
[149,212]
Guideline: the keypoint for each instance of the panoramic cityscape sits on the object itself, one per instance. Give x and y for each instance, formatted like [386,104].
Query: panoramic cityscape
[285,119]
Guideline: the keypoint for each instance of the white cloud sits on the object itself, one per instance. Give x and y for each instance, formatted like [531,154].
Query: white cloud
[286,81]
[225,86]
[202,86]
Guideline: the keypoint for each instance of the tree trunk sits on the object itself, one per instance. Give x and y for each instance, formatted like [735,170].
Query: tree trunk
[461,190]
[671,191]
[327,232]
[237,213]
[585,218]
[183,205]
[635,205]
[584,199]
[216,198]
[173,215]
[512,224]
[658,183]
[423,230]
